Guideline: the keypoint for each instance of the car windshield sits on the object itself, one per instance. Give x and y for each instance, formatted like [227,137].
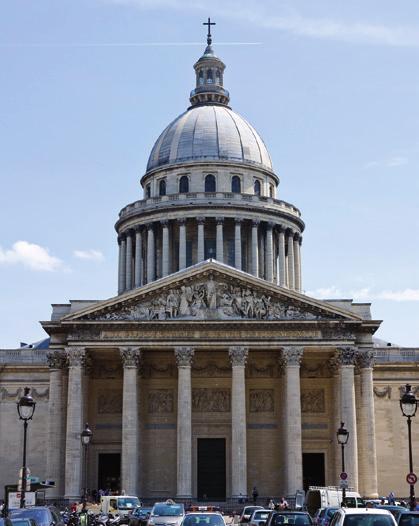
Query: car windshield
[292,518]
[21,522]
[409,520]
[368,519]
[331,511]
[212,519]
[41,517]
[125,503]
[261,515]
[168,510]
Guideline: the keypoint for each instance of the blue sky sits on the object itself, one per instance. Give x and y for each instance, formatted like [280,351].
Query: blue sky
[87,86]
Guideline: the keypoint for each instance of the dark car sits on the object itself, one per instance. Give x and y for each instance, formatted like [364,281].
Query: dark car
[23,522]
[5,522]
[42,515]
[280,518]
[324,516]
[408,518]
[393,509]
[139,516]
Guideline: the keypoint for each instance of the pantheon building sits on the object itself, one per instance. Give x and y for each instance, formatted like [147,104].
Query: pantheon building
[210,371]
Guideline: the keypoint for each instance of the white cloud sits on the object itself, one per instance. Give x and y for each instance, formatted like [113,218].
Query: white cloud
[365,294]
[390,162]
[292,22]
[94,255]
[31,256]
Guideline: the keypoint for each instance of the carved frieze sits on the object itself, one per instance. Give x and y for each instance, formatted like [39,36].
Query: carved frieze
[39,395]
[211,370]
[261,401]
[106,370]
[313,401]
[314,370]
[154,370]
[213,299]
[383,392]
[109,401]
[211,400]
[270,370]
[160,401]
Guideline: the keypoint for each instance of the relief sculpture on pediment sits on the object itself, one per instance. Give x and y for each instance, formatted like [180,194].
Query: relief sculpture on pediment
[211,299]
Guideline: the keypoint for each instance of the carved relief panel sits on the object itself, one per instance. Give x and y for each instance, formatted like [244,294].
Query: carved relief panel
[160,401]
[109,402]
[211,400]
[313,401]
[261,401]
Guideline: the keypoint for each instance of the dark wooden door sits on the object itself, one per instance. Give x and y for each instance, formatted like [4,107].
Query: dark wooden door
[211,469]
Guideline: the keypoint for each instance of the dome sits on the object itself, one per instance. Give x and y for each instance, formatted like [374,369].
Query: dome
[209,133]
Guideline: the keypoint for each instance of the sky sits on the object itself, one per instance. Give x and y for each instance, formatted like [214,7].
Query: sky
[87,86]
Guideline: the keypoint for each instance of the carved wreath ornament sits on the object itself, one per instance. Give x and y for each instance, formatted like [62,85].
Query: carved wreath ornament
[210,299]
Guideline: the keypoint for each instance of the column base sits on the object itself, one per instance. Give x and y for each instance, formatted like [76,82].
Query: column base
[184,497]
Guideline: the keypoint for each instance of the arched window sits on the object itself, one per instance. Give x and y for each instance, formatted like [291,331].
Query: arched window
[271,191]
[201,77]
[210,183]
[236,184]
[256,187]
[218,76]
[209,77]
[148,191]
[183,185]
[162,187]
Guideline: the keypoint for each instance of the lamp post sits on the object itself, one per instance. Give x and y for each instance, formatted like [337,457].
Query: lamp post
[409,405]
[86,436]
[25,409]
[343,437]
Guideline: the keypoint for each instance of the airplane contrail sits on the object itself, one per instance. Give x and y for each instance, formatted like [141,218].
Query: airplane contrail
[121,44]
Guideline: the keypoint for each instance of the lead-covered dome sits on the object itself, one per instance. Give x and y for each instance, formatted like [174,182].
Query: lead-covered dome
[209,133]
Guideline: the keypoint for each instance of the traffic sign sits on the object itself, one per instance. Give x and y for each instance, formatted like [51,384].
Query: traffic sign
[344,484]
[343,476]
[411,478]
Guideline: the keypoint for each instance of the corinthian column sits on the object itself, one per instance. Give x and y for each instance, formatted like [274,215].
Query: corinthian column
[129,457]
[165,251]
[128,262]
[151,253]
[346,357]
[219,249]
[182,243]
[123,263]
[238,357]
[366,431]
[237,244]
[255,248]
[184,357]
[120,263]
[291,359]
[201,239]
[138,269]
[281,258]
[290,258]
[77,358]
[269,253]
[297,263]
[56,425]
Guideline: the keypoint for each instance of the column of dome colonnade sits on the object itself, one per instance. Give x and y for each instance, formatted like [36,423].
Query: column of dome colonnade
[260,247]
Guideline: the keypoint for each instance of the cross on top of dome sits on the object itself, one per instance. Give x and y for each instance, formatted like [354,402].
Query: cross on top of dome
[209,24]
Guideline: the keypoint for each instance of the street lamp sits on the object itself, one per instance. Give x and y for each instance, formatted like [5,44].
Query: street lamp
[86,436]
[25,408]
[343,437]
[409,405]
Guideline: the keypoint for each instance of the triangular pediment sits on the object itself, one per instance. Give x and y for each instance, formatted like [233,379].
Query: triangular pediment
[211,291]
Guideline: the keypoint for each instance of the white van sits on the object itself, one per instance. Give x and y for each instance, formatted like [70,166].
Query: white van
[330,496]
[118,504]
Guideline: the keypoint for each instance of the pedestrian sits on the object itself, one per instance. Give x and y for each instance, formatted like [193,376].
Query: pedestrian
[255,494]
[73,507]
[283,504]
[391,498]
[271,504]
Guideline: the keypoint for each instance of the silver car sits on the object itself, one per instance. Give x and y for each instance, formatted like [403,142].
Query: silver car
[258,517]
[167,513]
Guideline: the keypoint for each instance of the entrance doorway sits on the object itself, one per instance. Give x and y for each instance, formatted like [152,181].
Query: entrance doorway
[211,469]
[313,470]
[109,472]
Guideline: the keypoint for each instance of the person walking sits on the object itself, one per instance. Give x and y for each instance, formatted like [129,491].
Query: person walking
[255,494]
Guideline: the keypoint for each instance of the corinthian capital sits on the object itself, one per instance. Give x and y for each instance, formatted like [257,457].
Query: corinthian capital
[291,355]
[346,355]
[77,356]
[130,356]
[184,356]
[365,359]
[238,355]
[56,359]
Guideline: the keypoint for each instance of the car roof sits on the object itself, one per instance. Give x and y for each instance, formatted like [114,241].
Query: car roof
[357,511]
[204,513]
[408,512]
[294,512]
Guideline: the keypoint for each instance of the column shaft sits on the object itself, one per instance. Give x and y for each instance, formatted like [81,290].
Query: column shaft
[129,456]
[281,259]
[297,264]
[220,240]
[123,264]
[238,245]
[238,357]
[73,448]
[201,239]
[138,259]
[56,424]
[120,263]
[255,249]
[269,254]
[184,357]
[291,265]
[151,254]
[128,262]
[165,248]
[182,244]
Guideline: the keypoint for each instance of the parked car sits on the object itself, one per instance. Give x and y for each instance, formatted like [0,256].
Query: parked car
[247,513]
[42,515]
[323,516]
[23,522]
[203,519]
[393,509]
[139,516]
[362,517]
[259,517]
[408,518]
[5,522]
[168,513]
[279,518]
